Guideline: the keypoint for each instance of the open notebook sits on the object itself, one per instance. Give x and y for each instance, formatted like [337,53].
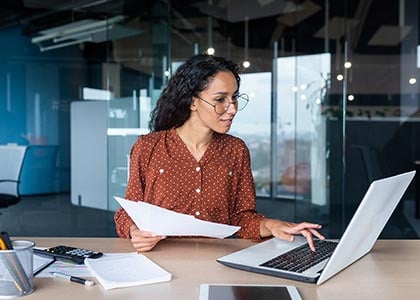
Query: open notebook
[358,239]
[117,270]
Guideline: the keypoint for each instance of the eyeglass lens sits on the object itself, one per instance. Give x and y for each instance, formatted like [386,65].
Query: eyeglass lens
[240,102]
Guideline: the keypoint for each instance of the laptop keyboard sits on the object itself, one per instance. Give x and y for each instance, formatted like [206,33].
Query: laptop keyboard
[302,258]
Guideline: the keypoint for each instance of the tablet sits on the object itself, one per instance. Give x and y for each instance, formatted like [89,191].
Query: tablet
[248,292]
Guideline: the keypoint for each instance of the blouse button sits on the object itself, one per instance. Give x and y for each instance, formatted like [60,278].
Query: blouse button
[198,169]
[197,213]
[197,190]
[161,171]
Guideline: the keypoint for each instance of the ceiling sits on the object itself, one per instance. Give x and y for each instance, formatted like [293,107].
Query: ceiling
[373,26]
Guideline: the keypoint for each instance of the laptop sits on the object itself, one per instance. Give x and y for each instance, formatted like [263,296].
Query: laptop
[272,257]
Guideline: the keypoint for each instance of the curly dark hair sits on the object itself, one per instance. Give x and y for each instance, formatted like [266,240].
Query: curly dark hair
[191,78]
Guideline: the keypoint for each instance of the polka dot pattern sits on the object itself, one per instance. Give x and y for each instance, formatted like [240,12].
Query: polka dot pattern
[219,188]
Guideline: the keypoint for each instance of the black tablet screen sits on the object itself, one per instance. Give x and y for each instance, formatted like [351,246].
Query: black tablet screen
[248,293]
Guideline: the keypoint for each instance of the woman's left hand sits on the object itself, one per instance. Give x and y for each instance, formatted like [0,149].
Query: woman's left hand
[287,230]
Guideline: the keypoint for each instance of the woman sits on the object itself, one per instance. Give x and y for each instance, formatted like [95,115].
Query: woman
[189,164]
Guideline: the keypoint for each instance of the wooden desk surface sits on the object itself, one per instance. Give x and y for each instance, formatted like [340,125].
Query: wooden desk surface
[390,271]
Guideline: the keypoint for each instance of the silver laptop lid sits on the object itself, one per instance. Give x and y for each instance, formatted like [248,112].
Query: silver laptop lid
[367,223]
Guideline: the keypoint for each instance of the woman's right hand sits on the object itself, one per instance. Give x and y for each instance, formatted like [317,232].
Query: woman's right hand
[143,240]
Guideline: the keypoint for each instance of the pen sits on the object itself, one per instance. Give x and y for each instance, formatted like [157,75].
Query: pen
[2,244]
[6,240]
[73,278]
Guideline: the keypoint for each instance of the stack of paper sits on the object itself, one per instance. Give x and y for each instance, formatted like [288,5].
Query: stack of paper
[117,270]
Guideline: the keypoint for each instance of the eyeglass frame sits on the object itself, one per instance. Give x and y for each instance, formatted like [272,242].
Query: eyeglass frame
[243,96]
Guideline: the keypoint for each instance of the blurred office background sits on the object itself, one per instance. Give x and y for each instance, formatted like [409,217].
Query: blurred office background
[333,86]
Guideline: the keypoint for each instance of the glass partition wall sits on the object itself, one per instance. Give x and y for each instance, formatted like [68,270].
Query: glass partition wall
[328,81]
[333,87]
[141,66]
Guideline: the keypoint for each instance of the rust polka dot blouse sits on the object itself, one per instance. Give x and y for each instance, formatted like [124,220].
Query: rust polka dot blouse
[219,188]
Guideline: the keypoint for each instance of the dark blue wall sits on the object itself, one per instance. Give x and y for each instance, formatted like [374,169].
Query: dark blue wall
[35,97]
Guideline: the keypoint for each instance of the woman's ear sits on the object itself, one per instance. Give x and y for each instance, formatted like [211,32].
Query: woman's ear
[193,106]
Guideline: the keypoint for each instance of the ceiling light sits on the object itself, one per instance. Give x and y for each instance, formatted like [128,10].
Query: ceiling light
[347,65]
[75,27]
[246,64]
[83,31]
[211,51]
[43,49]
[81,34]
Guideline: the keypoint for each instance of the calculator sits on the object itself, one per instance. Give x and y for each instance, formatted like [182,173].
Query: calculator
[76,255]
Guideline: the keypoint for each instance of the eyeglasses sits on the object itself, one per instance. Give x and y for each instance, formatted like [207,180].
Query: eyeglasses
[222,104]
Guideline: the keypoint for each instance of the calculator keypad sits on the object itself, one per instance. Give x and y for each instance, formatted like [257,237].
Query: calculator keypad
[74,254]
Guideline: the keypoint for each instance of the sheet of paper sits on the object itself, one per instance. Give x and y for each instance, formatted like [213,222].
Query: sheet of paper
[117,270]
[41,262]
[166,222]
[66,268]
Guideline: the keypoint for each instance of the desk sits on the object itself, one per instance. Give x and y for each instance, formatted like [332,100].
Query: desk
[390,271]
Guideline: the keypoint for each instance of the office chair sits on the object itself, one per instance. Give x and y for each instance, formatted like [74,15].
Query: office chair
[376,168]
[11,162]
[39,159]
